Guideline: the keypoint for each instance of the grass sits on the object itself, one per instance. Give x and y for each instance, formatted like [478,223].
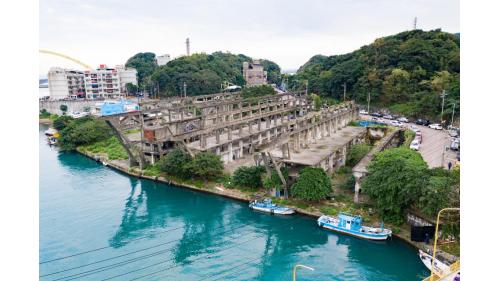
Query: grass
[132,131]
[111,147]
[291,202]
[409,136]
[152,171]
[452,248]
[330,211]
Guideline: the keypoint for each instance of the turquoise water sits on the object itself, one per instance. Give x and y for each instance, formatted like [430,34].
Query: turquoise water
[151,231]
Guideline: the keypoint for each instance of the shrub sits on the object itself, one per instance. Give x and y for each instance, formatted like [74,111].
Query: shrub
[313,184]
[63,108]
[356,153]
[176,163]
[206,165]
[83,131]
[61,122]
[44,114]
[250,177]
[274,180]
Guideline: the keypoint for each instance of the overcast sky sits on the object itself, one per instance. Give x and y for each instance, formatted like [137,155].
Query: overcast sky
[286,32]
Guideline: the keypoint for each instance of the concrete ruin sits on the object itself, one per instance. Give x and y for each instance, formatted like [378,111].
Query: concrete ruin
[254,74]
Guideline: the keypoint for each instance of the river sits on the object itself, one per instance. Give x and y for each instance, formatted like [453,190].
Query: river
[97,223]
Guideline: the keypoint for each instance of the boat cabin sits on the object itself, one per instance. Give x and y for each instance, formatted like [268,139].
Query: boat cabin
[350,222]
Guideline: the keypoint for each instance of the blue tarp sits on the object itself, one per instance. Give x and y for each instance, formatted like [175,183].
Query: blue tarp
[112,108]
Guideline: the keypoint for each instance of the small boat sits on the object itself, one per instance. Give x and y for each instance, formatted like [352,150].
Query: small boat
[52,140]
[50,132]
[352,225]
[439,267]
[269,207]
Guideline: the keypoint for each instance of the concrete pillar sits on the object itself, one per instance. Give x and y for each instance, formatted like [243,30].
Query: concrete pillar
[217,150]
[268,123]
[357,185]
[250,127]
[241,148]
[268,135]
[217,136]
[230,149]
[203,141]
[241,130]
[275,119]
[260,138]
[259,125]
[230,133]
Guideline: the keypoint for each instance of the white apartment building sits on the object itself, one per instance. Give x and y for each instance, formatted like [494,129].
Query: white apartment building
[103,82]
[163,59]
[127,75]
[64,83]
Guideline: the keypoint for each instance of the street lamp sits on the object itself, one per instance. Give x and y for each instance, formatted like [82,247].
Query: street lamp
[297,266]
[442,105]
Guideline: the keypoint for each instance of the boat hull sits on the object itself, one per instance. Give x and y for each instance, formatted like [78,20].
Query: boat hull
[355,233]
[439,266]
[273,211]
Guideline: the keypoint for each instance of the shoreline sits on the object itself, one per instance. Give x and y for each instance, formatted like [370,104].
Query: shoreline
[244,198]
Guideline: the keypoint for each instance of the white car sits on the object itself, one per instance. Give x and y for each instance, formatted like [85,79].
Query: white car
[415,145]
[396,123]
[435,126]
[363,112]
[414,128]
[388,116]
[403,119]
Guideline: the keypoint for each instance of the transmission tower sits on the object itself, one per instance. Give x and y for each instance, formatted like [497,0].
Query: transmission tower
[415,23]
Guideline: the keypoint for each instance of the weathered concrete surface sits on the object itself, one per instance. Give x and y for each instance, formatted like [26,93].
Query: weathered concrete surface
[322,147]
[73,105]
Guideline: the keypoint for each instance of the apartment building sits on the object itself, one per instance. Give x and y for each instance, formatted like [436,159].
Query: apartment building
[126,75]
[254,74]
[163,59]
[65,83]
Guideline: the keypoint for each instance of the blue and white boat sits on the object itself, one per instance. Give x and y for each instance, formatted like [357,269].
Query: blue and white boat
[352,225]
[269,207]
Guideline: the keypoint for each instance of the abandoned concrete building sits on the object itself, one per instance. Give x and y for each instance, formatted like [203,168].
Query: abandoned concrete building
[254,74]
[283,128]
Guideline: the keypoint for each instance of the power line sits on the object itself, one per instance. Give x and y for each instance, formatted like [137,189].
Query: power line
[258,236]
[230,269]
[106,247]
[129,253]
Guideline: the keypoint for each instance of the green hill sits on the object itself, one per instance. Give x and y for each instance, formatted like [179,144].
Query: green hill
[405,72]
[203,73]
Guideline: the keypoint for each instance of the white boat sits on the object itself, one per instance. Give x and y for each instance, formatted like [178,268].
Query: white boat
[353,225]
[50,132]
[440,267]
[269,207]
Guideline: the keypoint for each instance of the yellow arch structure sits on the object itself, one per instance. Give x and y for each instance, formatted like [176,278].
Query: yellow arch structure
[66,57]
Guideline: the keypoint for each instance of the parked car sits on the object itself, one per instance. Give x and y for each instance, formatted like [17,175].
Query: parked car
[376,114]
[455,144]
[403,119]
[415,145]
[414,128]
[363,112]
[396,123]
[422,122]
[388,116]
[453,133]
[418,138]
[436,126]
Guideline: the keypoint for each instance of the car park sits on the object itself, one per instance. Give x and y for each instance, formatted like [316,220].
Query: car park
[415,145]
[396,123]
[376,114]
[363,112]
[388,116]
[403,119]
[423,122]
[435,126]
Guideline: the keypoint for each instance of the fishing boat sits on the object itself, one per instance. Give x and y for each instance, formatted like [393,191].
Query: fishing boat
[353,225]
[269,207]
[439,266]
[50,132]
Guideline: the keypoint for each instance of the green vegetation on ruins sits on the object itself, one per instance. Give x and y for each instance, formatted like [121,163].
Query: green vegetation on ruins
[202,73]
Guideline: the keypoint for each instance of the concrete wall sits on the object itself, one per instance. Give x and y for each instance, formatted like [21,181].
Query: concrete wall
[73,105]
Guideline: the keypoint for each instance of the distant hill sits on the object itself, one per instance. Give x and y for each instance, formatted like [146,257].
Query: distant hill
[404,72]
[203,73]
[43,83]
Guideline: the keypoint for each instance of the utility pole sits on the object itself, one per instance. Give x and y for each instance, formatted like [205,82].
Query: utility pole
[453,114]
[187,47]
[184,85]
[442,105]
[307,84]
[415,23]
[368,102]
[344,89]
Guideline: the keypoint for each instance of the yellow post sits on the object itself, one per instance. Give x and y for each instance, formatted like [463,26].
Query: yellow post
[295,270]
[435,240]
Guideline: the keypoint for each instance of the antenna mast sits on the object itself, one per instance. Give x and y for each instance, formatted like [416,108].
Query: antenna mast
[187,46]
[415,23]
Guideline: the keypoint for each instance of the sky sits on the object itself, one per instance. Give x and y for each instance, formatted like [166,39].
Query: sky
[286,32]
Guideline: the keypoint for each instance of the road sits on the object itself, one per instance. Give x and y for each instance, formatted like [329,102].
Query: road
[435,145]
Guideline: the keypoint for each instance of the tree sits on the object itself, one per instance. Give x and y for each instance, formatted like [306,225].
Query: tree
[61,122]
[395,178]
[206,165]
[176,163]
[274,181]
[144,63]
[83,131]
[63,108]
[313,184]
[440,191]
[250,177]
[131,88]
